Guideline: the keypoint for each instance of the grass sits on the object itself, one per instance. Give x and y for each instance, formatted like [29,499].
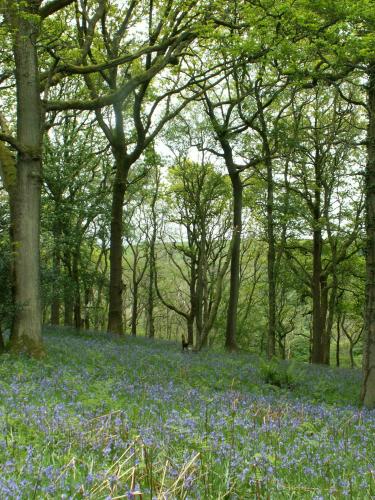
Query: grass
[106,418]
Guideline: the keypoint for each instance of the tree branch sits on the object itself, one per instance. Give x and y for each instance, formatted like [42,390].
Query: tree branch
[11,141]
[53,6]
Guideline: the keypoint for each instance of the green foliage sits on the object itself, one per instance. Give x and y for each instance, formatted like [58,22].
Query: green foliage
[8,170]
[279,374]
[101,416]
[6,304]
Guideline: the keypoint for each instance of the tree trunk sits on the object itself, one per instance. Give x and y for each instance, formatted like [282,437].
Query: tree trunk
[151,280]
[351,356]
[330,321]
[237,189]
[326,311]
[317,354]
[271,254]
[190,329]
[338,341]
[68,288]
[2,344]
[211,315]
[68,309]
[56,302]
[77,291]
[116,286]
[134,304]
[87,311]
[271,258]
[193,301]
[99,311]
[150,326]
[201,270]
[26,334]
[368,387]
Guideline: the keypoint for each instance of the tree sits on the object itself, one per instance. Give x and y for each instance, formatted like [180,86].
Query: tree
[23,19]
[136,254]
[198,196]
[76,182]
[141,112]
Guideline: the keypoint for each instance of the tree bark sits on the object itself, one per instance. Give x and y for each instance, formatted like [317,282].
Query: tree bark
[77,291]
[68,294]
[56,301]
[151,278]
[26,334]
[134,304]
[325,300]
[338,329]
[150,327]
[116,285]
[237,189]
[351,355]
[332,302]
[368,387]
[317,354]
[201,271]
[68,309]
[190,329]
[87,311]
[317,351]
[151,295]
[271,257]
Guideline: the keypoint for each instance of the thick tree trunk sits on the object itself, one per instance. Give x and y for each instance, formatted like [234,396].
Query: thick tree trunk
[68,309]
[116,286]
[26,335]
[330,321]
[317,354]
[325,303]
[237,189]
[99,311]
[190,329]
[368,387]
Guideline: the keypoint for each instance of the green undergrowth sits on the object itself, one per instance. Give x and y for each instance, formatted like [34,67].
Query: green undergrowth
[102,417]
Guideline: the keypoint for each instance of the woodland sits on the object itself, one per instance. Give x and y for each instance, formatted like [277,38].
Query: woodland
[200,170]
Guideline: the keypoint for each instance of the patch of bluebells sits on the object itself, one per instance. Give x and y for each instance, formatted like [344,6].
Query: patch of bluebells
[101,417]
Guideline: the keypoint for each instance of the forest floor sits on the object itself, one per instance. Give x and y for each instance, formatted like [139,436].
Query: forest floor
[106,418]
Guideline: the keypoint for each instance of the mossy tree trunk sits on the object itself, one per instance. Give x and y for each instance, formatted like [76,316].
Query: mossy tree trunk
[368,387]
[116,286]
[234,287]
[26,334]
